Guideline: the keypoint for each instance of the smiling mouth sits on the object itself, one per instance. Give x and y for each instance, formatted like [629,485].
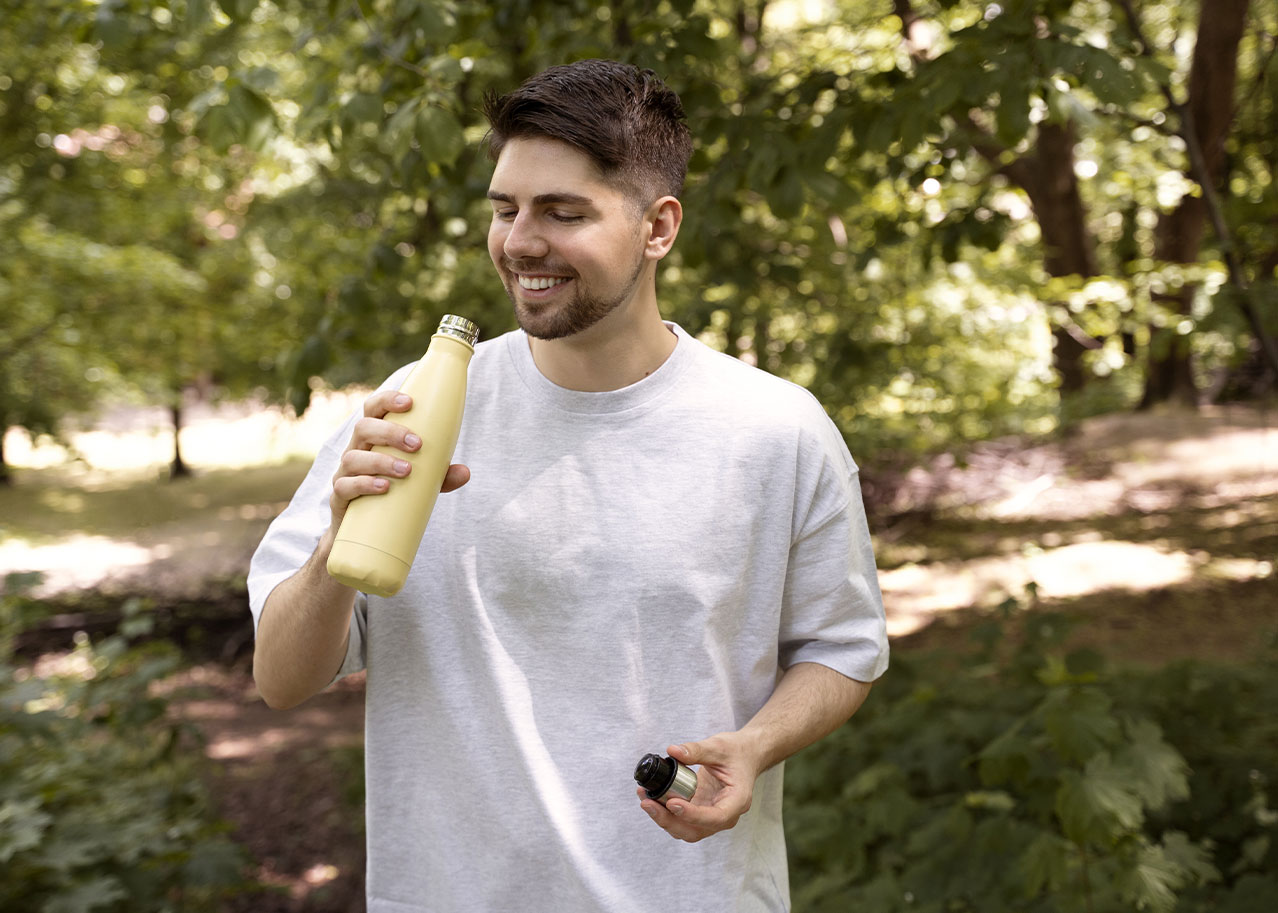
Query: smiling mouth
[540,283]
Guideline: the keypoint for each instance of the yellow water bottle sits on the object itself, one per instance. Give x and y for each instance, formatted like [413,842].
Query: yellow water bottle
[379,535]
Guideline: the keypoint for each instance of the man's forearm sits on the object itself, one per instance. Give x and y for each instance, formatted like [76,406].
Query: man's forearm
[302,634]
[809,702]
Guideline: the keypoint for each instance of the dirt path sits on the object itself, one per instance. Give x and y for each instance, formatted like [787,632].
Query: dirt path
[289,782]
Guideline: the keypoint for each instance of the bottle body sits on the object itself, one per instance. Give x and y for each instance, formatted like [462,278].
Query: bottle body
[379,534]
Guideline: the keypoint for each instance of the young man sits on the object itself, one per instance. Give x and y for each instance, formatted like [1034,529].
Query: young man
[658,544]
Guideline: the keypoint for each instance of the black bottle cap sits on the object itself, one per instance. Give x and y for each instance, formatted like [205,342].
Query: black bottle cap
[655,774]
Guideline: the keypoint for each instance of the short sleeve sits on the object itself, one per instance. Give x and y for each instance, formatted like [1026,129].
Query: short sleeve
[832,611]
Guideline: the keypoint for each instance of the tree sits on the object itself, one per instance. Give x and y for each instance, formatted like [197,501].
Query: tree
[1204,120]
[940,216]
[125,264]
[1021,83]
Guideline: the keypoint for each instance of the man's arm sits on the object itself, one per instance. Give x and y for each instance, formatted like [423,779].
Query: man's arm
[304,628]
[809,702]
[303,633]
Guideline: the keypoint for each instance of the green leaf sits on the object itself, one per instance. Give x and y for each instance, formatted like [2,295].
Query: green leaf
[361,108]
[439,134]
[880,132]
[1108,80]
[396,138]
[1045,864]
[198,15]
[22,826]
[1157,771]
[1193,858]
[785,195]
[1079,722]
[1098,804]
[238,10]
[1012,119]
[1152,882]
[1007,759]
[87,896]
[1160,872]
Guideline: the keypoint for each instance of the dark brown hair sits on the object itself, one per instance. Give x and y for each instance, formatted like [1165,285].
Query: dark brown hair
[625,119]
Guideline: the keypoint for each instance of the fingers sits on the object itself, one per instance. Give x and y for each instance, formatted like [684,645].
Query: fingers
[726,772]
[367,472]
[689,822]
[364,471]
[384,401]
[375,432]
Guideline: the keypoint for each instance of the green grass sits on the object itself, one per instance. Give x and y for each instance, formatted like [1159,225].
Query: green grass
[42,507]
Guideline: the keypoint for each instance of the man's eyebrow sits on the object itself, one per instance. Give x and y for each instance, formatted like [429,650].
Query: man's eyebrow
[544,199]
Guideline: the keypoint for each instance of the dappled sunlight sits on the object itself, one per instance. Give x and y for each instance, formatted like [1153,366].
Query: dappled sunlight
[77,561]
[224,436]
[240,727]
[915,594]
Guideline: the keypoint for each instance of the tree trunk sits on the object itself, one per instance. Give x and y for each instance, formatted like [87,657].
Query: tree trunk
[1047,176]
[6,477]
[1205,121]
[178,468]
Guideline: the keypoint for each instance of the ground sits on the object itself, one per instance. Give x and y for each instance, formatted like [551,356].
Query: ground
[1158,530]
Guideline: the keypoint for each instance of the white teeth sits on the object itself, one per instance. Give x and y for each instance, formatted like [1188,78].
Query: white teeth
[537,283]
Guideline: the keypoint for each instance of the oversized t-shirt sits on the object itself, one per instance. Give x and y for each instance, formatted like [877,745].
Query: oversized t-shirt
[625,570]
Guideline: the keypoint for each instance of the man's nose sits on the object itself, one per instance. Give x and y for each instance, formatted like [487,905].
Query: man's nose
[524,240]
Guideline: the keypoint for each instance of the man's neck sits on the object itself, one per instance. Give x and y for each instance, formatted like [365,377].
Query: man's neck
[616,352]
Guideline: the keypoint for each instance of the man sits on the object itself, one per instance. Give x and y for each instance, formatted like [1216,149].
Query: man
[659,544]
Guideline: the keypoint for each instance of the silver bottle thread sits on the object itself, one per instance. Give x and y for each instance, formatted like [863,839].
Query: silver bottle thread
[460,327]
[662,778]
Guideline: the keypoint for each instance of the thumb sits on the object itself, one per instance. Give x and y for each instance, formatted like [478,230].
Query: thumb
[458,475]
[702,752]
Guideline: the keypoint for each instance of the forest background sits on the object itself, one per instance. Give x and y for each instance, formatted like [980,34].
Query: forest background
[954,221]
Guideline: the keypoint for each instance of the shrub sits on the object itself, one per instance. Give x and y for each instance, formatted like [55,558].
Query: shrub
[1024,780]
[99,809]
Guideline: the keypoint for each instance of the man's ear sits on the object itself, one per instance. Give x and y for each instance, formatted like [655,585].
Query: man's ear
[661,222]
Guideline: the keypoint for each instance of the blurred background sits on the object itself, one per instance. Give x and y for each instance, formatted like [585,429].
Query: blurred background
[1025,254]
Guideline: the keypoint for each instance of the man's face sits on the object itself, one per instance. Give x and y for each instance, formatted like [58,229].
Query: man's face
[566,244]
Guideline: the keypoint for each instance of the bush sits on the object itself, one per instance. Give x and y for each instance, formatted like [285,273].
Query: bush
[99,810]
[1024,780]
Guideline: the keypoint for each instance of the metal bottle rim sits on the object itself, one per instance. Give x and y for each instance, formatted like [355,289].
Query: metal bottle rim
[458,327]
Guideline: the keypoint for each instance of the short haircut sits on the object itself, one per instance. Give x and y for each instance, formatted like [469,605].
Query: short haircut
[626,120]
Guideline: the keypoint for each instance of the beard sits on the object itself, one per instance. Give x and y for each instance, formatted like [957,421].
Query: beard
[583,309]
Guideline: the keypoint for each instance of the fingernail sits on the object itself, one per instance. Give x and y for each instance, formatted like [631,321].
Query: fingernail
[401,400]
[412,440]
[675,809]
[401,467]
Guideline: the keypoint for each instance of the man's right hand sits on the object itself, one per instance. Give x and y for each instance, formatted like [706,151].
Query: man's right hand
[364,471]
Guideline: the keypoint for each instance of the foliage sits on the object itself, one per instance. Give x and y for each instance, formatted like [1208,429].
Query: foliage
[99,810]
[872,207]
[1019,779]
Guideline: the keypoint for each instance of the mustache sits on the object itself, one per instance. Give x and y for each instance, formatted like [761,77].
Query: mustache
[537,266]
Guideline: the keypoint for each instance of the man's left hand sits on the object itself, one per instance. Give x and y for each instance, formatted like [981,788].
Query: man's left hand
[725,785]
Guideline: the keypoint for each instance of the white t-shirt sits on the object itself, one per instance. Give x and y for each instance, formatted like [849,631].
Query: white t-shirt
[624,570]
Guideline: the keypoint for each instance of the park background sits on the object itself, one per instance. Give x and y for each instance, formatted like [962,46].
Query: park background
[1024,253]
